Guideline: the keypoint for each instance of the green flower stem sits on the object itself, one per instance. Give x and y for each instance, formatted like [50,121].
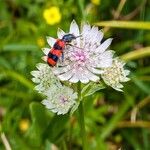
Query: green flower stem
[82,125]
[81,119]
[64,145]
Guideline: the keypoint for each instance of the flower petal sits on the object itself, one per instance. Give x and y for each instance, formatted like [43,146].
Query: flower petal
[127,72]
[85,29]
[100,36]
[66,76]
[60,70]
[60,33]
[34,73]
[74,29]
[91,76]
[74,79]
[47,104]
[94,70]
[93,35]
[83,78]
[105,59]
[44,58]
[46,50]
[51,41]
[104,46]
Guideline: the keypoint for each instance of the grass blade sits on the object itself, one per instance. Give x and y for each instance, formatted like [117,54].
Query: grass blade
[125,24]
[136,54]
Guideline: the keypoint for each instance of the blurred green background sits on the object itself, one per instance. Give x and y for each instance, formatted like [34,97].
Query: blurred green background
[113,119]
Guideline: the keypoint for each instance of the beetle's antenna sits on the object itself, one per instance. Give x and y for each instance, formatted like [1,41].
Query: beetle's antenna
[79,36]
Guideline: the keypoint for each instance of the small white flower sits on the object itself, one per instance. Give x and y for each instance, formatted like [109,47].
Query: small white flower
[87,58]
[60,99]
[115,74]
[44,77]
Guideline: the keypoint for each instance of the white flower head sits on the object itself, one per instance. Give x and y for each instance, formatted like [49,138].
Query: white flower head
[115,74]
[87,58]
[44,77]
[60,99]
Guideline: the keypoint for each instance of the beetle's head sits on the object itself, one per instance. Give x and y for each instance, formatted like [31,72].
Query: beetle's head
[69,37]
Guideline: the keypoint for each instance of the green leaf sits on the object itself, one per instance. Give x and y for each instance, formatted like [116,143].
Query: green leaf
[126,24]
[11,119]
[56,127]
[17,143]
[5,63]
[19,47]
[14,75]
[74,108]
[40,120]
[48,145]
[14,93]
[91,88]
[143,86]
[111,125]
[132,139]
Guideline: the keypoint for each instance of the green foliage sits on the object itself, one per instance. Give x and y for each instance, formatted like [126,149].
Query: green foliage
[91,88]
[40,120]
[23,32]
[56,127]
[125,24]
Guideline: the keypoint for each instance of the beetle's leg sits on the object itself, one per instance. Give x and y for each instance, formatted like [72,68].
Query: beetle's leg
[62,57]
[73,46]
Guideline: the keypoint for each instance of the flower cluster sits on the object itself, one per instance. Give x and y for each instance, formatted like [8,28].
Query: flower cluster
[115,74]
[44,77]
[86,59]
[59,98]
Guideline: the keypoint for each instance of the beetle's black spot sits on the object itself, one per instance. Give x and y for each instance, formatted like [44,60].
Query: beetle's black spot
[56,46]
[52,56]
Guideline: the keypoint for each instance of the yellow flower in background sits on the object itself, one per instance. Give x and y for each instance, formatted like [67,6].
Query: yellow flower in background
[52,15]
[40,42]
[24,125]
[96,2]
